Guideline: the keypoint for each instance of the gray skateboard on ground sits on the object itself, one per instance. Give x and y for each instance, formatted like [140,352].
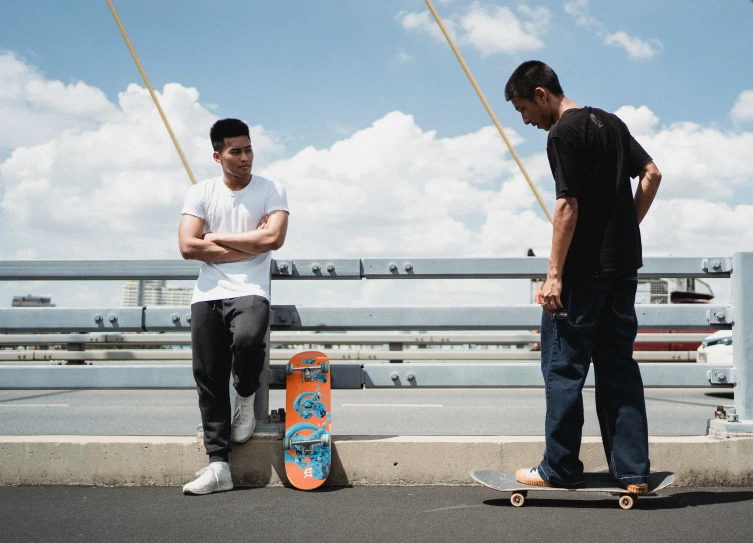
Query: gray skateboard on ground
[594,482]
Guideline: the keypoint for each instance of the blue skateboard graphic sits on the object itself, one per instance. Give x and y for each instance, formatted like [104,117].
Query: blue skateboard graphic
[308,404]
[309,451]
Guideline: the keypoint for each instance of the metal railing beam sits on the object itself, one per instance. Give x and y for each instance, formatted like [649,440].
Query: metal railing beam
[328,269]
[333,354]
[298,338]
[173,319]
[371,375]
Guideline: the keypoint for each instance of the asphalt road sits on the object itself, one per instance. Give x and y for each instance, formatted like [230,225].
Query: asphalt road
[355,412]
[368,514]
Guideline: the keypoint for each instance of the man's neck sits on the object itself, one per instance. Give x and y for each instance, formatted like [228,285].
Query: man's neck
[234,182]
[563,106]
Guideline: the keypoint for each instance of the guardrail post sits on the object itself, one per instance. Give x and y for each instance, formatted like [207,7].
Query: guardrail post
[742,338]
[75,347]
[261,400]
[396,347]
[741,300]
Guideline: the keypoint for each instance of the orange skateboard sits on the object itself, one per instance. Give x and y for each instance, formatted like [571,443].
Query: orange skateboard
[307,420]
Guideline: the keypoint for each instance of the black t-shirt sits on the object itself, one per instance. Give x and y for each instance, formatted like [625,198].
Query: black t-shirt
[593,156]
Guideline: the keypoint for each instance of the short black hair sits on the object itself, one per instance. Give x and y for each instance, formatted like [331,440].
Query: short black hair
[226,128]
[528,76]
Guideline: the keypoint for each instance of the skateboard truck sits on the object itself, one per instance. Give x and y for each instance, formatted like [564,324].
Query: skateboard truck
[325,441]
[307,371]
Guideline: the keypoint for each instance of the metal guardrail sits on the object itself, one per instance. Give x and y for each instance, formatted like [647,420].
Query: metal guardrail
[167,319]
[454,355]
[367,268]
[488,338]
[442,319]
[344,376]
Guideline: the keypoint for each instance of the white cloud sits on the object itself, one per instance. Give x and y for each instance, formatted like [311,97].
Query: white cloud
[641,120]
[635,47]
[33,109]
[694,159]
[488,28]
[394,188]
[697,227]
[112,189]
[742,111]
[403,57]
[423,21]
[579,10]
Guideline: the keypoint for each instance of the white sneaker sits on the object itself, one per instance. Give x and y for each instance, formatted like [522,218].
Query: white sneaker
[244,421]
[213,478]
[530,477]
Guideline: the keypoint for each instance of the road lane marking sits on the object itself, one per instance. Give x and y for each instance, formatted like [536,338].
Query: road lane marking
[453,507]
[390,405]
[34,405]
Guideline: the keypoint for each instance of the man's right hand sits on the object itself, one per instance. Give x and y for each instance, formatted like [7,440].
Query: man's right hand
[551,295]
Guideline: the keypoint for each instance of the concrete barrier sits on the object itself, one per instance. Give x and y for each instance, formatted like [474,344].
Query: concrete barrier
[356,460]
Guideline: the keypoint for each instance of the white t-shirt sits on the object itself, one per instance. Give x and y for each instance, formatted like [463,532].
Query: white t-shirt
[225,210]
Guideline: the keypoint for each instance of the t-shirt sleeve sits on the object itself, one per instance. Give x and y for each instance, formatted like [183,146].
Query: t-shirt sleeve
[638,157]
[276,199]
[565,165]
[194,204]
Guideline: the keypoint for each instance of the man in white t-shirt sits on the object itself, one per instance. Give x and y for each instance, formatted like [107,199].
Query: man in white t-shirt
[231,224]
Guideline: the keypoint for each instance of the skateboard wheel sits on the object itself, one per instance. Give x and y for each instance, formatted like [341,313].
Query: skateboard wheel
[286,443]
[517,499]
[326,440]
[288,369]
[627,502]
[325,367]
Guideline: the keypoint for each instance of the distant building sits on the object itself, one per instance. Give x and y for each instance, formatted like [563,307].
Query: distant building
[32,301]
[154,292]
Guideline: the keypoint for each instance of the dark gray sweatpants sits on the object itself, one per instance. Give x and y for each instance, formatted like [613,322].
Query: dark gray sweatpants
[227,336]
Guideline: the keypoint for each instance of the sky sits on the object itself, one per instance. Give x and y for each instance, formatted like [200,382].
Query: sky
[362,112]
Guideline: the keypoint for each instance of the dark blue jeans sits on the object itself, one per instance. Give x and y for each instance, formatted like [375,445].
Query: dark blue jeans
[600,325]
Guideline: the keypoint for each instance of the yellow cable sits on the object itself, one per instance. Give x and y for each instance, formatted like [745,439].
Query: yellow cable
[151,91]
[489,110]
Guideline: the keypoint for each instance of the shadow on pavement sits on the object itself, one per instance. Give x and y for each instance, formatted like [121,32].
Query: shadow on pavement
[33,396]
[677,500]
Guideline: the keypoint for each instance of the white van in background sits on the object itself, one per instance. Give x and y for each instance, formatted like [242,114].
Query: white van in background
[716,349]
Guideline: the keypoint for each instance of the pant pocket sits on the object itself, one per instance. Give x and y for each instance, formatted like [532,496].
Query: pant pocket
[623,305]
[583,306]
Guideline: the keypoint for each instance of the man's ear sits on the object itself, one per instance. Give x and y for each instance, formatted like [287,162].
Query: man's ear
[216,157]
[541,95]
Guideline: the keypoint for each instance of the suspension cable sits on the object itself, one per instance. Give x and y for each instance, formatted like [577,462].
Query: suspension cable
[151,91]
[489,110]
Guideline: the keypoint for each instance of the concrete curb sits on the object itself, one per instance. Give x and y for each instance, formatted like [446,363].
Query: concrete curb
[356,460]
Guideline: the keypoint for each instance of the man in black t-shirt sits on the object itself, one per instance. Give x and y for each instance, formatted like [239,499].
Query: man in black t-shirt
[589,294]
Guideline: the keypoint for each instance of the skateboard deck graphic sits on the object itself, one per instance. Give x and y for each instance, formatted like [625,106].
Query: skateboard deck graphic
[594,482]
[307,438]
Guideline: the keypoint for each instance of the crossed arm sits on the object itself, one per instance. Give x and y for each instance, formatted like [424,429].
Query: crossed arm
[221,247]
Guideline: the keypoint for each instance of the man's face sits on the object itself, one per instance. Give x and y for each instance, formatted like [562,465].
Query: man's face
[536,111]
[237,157]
